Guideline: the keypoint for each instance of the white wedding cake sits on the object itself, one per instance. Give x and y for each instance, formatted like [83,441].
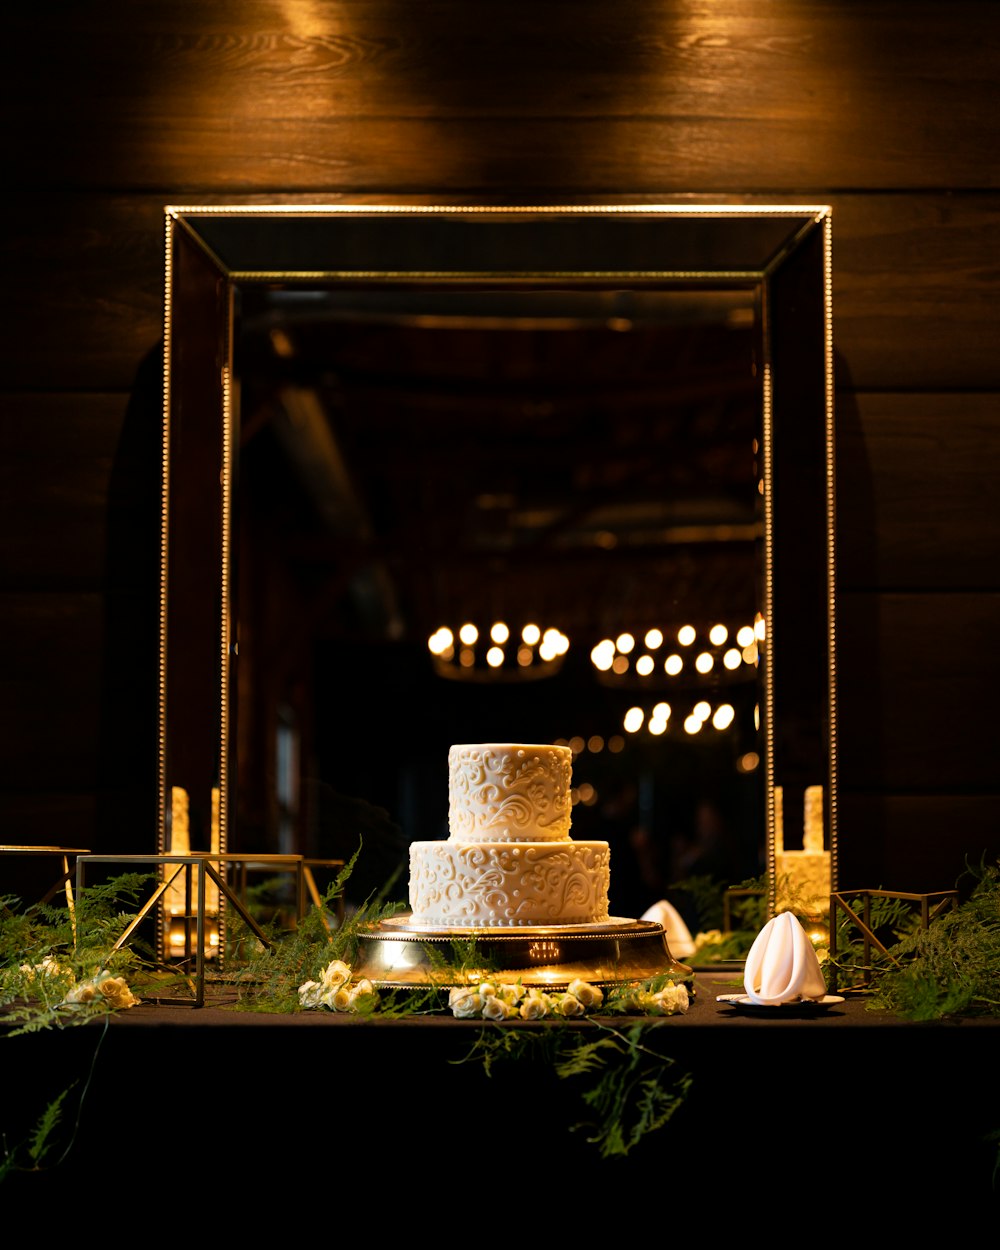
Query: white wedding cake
[509,859]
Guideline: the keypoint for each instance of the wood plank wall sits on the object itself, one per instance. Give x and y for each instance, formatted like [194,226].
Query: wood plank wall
[886,110]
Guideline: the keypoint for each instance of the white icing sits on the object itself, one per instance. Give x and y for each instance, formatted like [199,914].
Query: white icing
[509,792]
[509,859]
[500,884]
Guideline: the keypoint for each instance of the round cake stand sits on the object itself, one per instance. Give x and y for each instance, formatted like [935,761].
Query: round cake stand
[398,954]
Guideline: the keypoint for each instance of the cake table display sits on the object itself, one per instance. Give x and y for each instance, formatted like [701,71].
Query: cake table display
[511,887]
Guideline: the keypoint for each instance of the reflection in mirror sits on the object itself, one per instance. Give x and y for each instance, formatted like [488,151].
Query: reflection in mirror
[635,467]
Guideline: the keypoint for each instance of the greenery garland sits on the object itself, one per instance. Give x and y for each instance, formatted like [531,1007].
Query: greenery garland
[59,969]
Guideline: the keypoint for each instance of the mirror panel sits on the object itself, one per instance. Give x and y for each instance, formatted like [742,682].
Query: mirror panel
[372,355]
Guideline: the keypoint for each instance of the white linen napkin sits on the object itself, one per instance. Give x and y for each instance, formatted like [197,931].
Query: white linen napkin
[677,933]
[782,966]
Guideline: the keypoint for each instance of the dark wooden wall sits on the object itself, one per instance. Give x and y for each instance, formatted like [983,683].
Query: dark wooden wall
[886,110]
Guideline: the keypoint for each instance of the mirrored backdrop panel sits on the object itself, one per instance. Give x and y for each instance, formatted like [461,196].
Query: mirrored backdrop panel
[601,440]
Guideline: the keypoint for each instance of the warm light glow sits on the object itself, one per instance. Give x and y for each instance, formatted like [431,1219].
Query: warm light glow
[717,635]
[595,743]
[659,718]
[620,664]
[494,657]
[644,665]
[633,720]
[531,634]
[723,716]
[702,710]
[748,763]
[745,636]
[525,656]
[686,635]
[467,657]
[692,724]
[441,641]
[616,744]
[576,744]
[586,793]
[750,655]
[553,644]
[624,643]
[603,655]
[673,665]
[499,632]
[468,634]
[759,627]
[732,658]
[653,639]
[704,662]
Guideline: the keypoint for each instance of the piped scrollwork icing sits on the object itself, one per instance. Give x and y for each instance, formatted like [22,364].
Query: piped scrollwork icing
[509,793]
[506,884]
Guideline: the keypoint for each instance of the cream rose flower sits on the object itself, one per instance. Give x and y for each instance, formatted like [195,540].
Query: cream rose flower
[535,1006]
[309,993]
[671,1000]
[589,995]
[336,974]
[569,1005]
[465,1003]
[338,997]
[116,992]
[511,994]
[362,995]
[86,992]
[495,1008]
[49,967]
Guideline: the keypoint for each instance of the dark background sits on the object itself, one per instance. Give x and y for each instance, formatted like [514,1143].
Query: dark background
[886,111]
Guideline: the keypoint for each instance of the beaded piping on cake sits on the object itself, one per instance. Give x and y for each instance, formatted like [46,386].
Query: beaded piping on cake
[507,884]
[517,795]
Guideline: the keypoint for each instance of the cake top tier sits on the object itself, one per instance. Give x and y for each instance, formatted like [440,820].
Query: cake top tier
[509,792]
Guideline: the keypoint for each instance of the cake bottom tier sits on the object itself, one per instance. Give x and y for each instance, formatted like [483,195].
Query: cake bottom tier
[506,884]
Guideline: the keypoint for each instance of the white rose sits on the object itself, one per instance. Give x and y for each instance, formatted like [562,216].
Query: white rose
[83,993]
[49,967]
[569,1005]
[671,1000]
[588,994]
[487,989]
[494,1008]
[465,1004]
[336,974]
[309,993]
[535,1006]
[338,997]
[511,994]
[362,995]
[116,991]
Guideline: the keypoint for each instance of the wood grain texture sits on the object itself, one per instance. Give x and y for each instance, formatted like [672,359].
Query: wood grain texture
[917,676]
[655,96]
[916,484]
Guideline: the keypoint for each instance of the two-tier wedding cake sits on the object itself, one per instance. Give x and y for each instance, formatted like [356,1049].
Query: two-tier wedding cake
[509,859]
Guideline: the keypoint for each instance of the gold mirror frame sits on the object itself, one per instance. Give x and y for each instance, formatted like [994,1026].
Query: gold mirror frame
[781,253]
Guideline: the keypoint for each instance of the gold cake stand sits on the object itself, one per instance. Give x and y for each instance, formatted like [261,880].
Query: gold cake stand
[398,954]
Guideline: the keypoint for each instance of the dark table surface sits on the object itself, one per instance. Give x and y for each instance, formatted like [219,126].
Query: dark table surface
[838,1110]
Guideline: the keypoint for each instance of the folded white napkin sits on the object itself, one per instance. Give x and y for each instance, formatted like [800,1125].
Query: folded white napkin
[782,966]
[677,933]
